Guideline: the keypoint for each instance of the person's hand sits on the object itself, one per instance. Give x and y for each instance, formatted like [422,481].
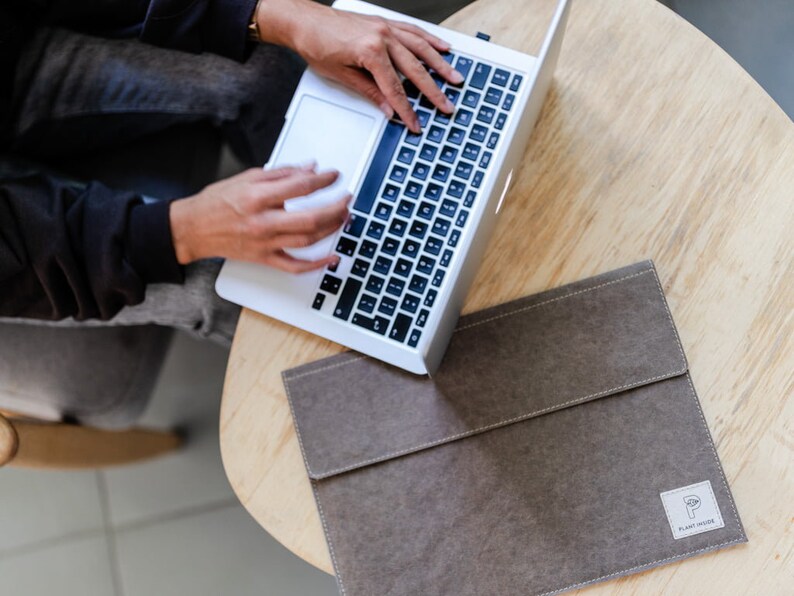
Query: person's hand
[362,52]
[243,218]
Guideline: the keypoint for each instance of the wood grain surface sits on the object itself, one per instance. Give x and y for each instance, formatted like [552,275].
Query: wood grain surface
[653,143]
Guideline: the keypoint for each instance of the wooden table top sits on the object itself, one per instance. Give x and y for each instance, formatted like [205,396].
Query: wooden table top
[653,143]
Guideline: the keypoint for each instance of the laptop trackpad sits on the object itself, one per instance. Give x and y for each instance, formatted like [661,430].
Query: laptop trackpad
[335,137]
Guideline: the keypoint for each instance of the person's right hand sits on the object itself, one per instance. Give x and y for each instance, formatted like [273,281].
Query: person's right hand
[243,218]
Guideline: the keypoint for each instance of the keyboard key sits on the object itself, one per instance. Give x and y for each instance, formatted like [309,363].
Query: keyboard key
[405,208]
[383,211]
[390,192]
[508,102]
[453,238]
[411,248]
[426,264]
[486,114]
[426,103]
[435,134]
[395,286]
[516,82]
[367,303]
[421,320]
[380,164]
[359,268]
[493,140]
[448,57]
[433,245]
[331,284]
[413,138]
[382,265]
[456,135]
[437,79]
[387,306]
[410,303]
[411,90]
[486,159]
[500,121]
[471,151]
[398,174]
[438,278]
[428,153]
[318,301]
[469,200]
[348,299]
[430,299]
[448,208]
[463,66]
[493,96]
[448,154]
[478,133]
[452,95]
[413,338]
[441,173]
[375,284]
[406,155]
[355,225]
[421,170]
[418,284]
[500,77]
[423,116]
[433,192]
[471,99]
[425,210]
[367,249]
[464,170]
[477,180]
[462,217]
[442,118]
[400,327]
[376,324]
[402,268]
[480,76]
[390,245]
[445,258]
[441,226]
[413,189]
[456,188]
[418,229]
[397,227]
[463,117]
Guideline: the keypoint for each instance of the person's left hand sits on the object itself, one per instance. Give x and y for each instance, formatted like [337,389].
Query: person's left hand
[362,52]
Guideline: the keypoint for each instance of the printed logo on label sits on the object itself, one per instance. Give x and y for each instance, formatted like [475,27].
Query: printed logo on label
[692,510]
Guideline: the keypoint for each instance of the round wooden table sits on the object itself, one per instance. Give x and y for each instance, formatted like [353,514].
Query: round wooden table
[653,143]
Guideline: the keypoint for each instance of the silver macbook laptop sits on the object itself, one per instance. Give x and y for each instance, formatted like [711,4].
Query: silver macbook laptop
[424,204]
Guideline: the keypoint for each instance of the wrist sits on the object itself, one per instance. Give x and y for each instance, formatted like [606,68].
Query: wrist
[181,228]
[278,20]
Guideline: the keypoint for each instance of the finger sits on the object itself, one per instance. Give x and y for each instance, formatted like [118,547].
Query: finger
[304,240]
[391,86]
[273,193]
[422,49]
[438,43]
[310,221]
[284,262]
[366,86]
[417,73]
[260,175]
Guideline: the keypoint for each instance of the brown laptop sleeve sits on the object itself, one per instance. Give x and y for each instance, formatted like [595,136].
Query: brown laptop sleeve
[560,443]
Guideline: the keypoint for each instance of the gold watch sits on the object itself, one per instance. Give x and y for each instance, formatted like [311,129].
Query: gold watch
[253,25]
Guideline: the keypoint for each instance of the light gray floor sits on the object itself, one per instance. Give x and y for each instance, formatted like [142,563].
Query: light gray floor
[173,527]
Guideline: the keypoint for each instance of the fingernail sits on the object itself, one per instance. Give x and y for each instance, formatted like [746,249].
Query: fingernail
[386,109]
[445,44]
[309,165]
[456,77]
[449,106]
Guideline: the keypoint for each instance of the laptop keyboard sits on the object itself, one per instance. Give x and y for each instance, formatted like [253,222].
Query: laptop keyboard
[415,202]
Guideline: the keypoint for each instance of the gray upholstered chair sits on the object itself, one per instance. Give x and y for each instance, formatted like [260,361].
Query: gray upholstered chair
[60,386]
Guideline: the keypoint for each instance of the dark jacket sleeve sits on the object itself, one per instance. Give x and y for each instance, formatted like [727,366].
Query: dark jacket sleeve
[79,251]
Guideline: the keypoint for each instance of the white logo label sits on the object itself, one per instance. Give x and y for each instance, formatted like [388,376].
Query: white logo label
[692,510]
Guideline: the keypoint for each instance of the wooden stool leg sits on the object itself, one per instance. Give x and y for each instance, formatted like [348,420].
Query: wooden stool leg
[56,445]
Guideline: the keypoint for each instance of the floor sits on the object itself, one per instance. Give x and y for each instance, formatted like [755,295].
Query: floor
[173,527]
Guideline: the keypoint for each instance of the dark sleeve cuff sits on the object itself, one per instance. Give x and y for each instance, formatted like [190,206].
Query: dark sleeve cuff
[150,246]
[227,29]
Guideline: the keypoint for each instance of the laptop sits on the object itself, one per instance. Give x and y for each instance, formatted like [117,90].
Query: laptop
[424,205]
